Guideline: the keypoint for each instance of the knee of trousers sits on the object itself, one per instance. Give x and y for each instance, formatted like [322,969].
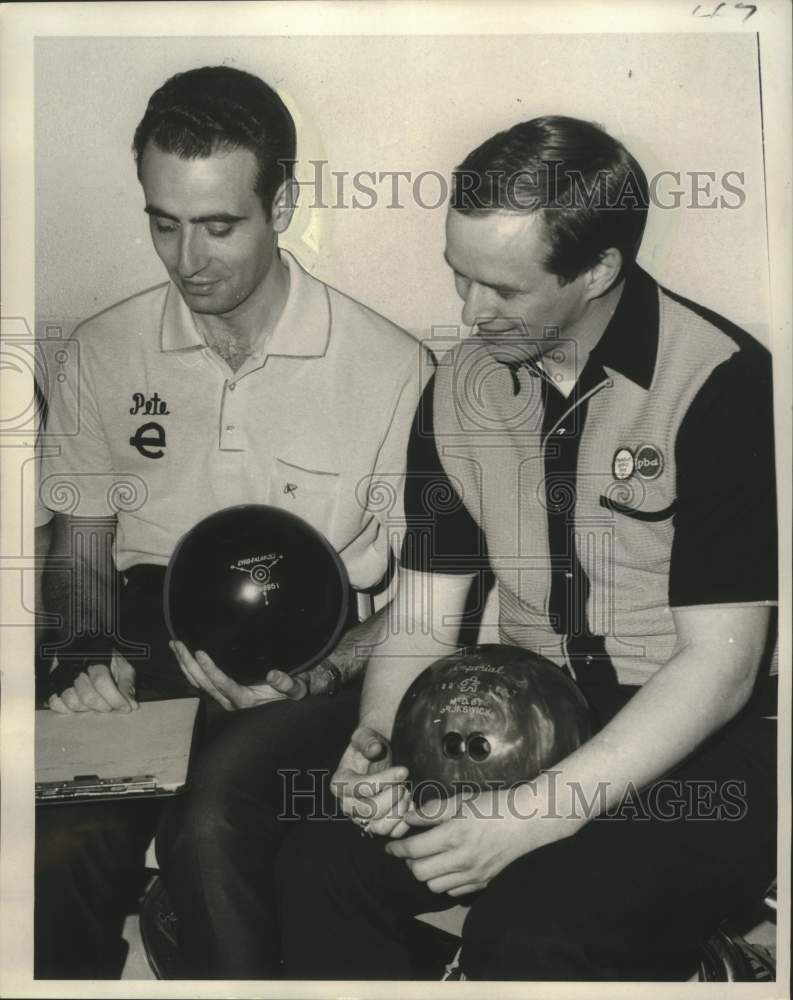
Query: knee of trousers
[212,818]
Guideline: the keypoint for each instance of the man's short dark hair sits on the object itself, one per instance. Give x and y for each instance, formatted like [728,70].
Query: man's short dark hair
[591,192]
[196,113]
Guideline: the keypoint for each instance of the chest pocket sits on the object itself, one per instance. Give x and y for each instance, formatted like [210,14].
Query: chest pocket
[310,493]
[642,532]
[649,516]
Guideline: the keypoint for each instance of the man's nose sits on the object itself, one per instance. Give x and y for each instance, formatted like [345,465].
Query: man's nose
[477,305]
[191,253]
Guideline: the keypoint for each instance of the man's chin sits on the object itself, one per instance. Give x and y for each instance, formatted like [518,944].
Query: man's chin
[207,304]
[509,346]
[204,308]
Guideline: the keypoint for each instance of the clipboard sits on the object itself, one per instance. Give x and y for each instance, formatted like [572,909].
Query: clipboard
[96,756]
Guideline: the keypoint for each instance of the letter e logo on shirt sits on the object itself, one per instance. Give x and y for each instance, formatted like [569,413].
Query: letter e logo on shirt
[149,439]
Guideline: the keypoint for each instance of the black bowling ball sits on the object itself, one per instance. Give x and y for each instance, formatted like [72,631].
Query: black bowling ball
[257,588]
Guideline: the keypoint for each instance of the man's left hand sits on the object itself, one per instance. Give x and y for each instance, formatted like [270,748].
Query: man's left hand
[468,841]
[202,673]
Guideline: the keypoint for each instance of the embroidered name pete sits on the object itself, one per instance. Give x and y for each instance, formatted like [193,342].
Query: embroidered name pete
[149,438]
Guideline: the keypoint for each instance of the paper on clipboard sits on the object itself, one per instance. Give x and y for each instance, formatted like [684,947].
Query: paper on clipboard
[89,756]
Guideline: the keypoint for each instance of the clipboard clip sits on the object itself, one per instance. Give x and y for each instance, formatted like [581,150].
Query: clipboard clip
[92,786]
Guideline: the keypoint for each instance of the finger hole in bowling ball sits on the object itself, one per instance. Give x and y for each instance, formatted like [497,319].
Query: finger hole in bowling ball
[453,745]
[478,747]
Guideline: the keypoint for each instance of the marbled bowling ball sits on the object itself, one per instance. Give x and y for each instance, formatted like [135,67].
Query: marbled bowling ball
[488,716]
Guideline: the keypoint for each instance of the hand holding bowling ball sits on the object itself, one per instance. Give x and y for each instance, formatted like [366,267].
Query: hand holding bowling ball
[203,674]
[369,789]
[488,716]
[257,589]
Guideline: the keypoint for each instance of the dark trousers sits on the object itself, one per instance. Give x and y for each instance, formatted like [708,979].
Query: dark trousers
[629,897]
[89,868]
[260,771]
[89,874]
[89,861]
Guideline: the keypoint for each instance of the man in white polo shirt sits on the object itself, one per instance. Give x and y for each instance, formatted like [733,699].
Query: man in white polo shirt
[241,380]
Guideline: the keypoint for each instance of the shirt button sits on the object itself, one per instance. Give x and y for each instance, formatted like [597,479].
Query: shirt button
[229,427]
[232,386]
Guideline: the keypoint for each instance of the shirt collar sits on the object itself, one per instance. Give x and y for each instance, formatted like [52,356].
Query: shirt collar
[629,344]
[178,330]
[302,330]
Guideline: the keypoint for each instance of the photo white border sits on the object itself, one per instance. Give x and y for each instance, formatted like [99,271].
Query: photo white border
[20,24]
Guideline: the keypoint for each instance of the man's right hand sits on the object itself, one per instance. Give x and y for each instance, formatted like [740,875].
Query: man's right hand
[371,792]
[99,689]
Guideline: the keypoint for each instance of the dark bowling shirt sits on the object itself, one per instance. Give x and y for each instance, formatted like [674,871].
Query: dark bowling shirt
[650,487]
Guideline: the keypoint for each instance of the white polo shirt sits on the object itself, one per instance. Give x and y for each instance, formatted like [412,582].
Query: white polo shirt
[159,430]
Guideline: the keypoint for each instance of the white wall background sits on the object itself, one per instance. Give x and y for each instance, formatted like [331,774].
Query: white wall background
[412,103]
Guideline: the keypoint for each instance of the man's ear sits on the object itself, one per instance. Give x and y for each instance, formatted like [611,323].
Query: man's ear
[284,204]
[604,274]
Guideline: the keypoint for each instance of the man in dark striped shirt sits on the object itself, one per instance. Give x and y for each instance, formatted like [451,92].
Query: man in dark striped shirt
[605,449]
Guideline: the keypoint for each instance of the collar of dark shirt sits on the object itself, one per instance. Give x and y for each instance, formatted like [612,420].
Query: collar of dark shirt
[629,344]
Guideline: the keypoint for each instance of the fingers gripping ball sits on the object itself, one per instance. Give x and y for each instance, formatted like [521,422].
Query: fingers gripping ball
[489,716]
[257,588]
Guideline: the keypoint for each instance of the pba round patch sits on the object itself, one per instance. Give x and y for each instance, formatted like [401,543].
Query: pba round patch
[649,461]
[623,464]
